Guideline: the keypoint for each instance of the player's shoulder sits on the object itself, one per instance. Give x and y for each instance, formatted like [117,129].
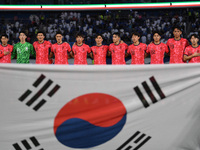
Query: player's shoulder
[143,44]
[112,44]
[189,47]
[35,42]
[170,39]
[29,44]
[16,44]
[183,39]
[10,45]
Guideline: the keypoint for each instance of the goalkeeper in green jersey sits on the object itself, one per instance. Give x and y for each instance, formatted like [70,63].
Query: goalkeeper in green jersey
[23,49]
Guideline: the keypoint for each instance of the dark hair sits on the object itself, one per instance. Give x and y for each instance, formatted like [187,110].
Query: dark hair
[41,32]
[98,35]
[136,33]
[195,35]
[22,32]
[158,32]
[4,35]
[79,34]
[177,27]
[117,34]
[59,32]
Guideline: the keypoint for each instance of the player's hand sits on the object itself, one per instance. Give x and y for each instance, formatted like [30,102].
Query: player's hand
[196,54]
[6,53]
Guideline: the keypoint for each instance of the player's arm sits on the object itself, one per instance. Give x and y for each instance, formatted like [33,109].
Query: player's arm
[186,57]
[146,53]
[91,55]
[4,53]
[14,52]
[72,52]
[32,50]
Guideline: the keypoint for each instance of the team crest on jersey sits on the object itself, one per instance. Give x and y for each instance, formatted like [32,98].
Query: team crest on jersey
[26,48]
[152,51]
[140,49]
[62,47]
[95,51]
[83,49]
[18,50]
[161,48]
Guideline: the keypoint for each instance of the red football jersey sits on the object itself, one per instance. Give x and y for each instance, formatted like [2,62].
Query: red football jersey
[157,52]
[99,53]
[42,52]
[80,54]
[5,58]
[191,50]
[137,53]
[118,53]
[60,52]
[177,49]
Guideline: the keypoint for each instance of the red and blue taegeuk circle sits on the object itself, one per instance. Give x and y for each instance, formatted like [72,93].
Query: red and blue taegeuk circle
[89,120]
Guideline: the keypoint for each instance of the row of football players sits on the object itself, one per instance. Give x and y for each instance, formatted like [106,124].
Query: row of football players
[178,48]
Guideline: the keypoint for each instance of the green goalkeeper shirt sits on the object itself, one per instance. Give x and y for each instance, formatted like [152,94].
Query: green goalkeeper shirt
[23,52]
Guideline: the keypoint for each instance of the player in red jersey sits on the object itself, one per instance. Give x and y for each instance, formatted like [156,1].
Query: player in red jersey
[177,46]
[137,50]
[99,52]
[42,48]
[5,50]
[157,49]
[192,52]
[118,50]
[80,51]
[61,50]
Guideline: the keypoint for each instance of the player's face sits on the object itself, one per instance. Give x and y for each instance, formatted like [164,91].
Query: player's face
[116,38]
[59,38]
[40,37]
[4,40]
[22,37]
[135,38]
[99,40]
[194,40]
[156,37]
[79,39]
[177,33]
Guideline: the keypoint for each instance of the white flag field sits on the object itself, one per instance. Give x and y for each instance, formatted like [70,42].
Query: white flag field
[133,107]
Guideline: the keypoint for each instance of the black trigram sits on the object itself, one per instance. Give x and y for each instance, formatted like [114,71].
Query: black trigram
[136,141]
[39,93]
[149,92]
[31,143]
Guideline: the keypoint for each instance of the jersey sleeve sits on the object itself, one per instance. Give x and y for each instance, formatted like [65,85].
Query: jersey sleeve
[68,47]
[106,47]
[14,51]
[148,49]
[186,51]
[32,50]
[145,47]
[129,49]
[186,43]
[167,43]
[88,49]
[166,48]
[110,48]
[11,48]
[1,54]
